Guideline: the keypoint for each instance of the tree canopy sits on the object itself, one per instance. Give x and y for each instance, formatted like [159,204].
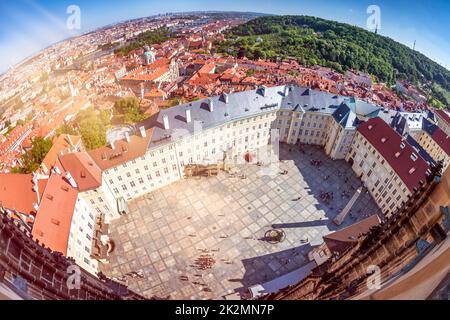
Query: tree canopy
[92,127]
[157,36]
[129,108]
[315,41]
[32,160]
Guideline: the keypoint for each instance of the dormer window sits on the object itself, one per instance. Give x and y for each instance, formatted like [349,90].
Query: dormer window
[402,145]
[414,157]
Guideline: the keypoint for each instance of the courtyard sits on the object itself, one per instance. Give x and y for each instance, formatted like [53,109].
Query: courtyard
[204,238]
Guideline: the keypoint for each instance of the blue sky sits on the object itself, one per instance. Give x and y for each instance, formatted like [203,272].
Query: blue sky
[27,26]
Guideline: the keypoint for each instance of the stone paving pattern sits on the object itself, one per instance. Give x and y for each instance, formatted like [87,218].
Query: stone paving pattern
[225,218]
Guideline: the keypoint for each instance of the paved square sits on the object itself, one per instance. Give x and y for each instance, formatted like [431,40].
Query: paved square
[203,238]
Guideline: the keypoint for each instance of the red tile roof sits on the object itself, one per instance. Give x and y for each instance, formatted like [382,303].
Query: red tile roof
[388,143]
[444,116]
[16,192]
[83,169]
[106,157]
[442,140]
[54,217]
[341,240]
[63,144]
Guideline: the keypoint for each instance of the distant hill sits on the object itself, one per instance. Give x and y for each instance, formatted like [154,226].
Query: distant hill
[315,41]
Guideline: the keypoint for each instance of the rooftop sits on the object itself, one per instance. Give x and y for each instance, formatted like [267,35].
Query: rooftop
[54,217]
[108,156]
[16,192]
[63,144]
[86,173]
[403,159]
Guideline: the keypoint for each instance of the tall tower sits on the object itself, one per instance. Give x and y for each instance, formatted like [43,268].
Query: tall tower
[149,56]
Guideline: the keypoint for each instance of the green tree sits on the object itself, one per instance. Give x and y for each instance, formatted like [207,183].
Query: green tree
[92,128]
[129,108]
[337,45]
[32,160]
[66,129]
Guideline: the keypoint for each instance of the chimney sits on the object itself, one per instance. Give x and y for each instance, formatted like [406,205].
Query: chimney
[263,90]
[127,137]
[142,131]
[286,91]
[188,116]
[166,122]
[225,97]
[71,180]
[57,171]
[69,139]
[142,91]
[211,105]
[111,143]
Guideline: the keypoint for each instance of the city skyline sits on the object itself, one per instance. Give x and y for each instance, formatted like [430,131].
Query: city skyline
[34,25]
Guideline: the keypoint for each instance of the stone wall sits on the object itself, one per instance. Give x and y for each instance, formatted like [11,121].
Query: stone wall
[35,272]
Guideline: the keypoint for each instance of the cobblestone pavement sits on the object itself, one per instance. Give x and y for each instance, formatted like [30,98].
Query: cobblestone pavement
[203,238]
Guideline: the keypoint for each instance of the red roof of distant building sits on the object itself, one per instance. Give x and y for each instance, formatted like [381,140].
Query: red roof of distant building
[442,140]
[444,116]
[388,143]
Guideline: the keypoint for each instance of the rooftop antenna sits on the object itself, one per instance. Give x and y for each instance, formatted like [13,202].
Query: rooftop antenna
[414,47]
